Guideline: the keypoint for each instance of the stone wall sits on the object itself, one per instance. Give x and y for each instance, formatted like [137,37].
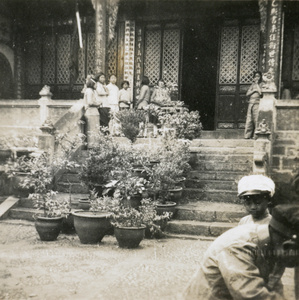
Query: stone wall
[286,148]
[24,117]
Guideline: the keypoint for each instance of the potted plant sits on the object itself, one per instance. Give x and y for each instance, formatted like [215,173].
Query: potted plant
[41,170]
[49,224]
[130,121]
[91,226]
[130,223]
[185,124]
[16,172]
[95,171]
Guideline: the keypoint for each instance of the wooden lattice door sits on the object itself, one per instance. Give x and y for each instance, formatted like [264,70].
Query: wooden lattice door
[238,59]
[162,53]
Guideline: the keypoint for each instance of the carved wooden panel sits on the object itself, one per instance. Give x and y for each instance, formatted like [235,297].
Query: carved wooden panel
[249,53]
[90,53]
[295,72]
[81,62]
[152,55]
[171,55]
[63,58]
[226,107]
[112,56]
[229,55]
[49,60]
[33,62]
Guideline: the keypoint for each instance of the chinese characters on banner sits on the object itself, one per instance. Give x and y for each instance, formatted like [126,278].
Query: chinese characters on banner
[129,52]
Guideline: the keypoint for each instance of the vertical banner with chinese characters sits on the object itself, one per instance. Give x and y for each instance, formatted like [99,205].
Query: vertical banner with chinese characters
[138,60]
[274,35]
[100,35]
[129,53]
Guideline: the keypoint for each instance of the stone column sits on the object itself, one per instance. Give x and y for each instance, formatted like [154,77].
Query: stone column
[100,7]
[92,124]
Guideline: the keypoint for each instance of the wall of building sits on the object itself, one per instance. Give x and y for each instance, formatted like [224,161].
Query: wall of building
[286,148]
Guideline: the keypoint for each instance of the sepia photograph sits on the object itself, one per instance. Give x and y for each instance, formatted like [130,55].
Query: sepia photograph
[149,149]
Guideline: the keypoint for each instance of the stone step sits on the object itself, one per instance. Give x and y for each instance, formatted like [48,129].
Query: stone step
[223,166]
[194,195]
[219,176]
[231,143]
[220,157]
[221,150]
[6,205]
[77,188]
[210,212]
[22,213]
[222,134]
[211,184]
[29,203]
[198,228]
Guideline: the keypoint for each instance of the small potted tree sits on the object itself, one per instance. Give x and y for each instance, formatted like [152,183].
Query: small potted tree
[40,180]
[130,121]
[95,172]
[130,224]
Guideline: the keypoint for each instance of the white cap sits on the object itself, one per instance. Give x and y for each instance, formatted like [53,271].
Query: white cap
[255,184]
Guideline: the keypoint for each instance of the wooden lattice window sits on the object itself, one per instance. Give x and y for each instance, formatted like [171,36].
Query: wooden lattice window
[48,60]
[112,56]
[162,53]
[249,53]
[295,71]
[229,55]
[232,68]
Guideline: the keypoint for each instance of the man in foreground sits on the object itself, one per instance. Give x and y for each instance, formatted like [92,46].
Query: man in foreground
[247,262]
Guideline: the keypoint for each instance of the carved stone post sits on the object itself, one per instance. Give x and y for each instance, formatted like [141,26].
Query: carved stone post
[100,7]
[46,140]
[271,29]
[92,124]
[46,96]
[262,149]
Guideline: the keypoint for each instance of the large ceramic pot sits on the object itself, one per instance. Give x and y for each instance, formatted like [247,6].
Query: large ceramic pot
[175,194]
[48,229]
[84,204]
[129,237]
[168,206]
[91,227]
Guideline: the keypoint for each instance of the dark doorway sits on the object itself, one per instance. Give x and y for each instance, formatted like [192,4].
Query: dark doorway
[199,72]
[6,79]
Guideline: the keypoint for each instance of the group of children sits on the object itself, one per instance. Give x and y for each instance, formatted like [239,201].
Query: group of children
[107,98]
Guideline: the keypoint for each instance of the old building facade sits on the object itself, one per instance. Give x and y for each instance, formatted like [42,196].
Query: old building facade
[208,48]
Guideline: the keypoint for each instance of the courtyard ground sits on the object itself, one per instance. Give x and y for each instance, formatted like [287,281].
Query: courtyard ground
[66,269]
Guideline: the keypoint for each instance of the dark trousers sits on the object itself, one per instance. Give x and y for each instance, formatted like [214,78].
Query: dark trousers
[104,116]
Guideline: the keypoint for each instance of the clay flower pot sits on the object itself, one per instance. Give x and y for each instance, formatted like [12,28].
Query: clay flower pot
[91,227]
[48,229]
[129,237]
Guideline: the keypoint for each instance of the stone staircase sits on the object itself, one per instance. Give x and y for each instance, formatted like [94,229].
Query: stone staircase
[209,206]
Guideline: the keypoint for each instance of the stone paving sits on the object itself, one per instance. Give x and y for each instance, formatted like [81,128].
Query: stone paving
[66,269]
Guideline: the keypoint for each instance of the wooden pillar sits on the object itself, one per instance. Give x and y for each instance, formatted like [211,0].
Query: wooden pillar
[100,7]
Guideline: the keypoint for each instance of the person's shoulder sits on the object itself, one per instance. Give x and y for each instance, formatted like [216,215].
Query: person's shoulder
[246,220]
